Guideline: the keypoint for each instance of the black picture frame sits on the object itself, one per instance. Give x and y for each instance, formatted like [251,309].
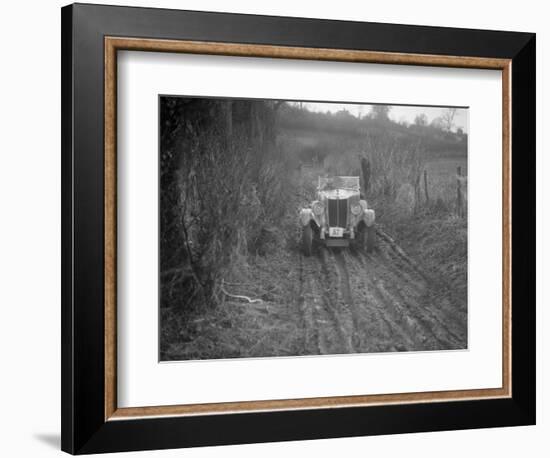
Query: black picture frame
[84,428]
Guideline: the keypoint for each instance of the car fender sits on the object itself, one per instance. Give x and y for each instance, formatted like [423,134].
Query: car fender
[306,215]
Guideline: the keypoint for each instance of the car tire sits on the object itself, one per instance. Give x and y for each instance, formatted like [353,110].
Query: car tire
[307,240]
[370,239]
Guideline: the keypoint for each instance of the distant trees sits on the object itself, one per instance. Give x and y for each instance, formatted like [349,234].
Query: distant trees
[445,122]
[345,115]
[421,120]
[344,127]
[403,122]
[380,112]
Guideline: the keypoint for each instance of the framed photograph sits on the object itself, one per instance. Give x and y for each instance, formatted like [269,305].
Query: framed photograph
[280,228]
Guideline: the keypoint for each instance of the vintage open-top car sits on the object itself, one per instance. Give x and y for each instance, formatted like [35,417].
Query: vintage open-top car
[339,217]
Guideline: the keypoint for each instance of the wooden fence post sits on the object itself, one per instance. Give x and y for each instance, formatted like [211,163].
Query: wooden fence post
[417,193]
[365,168]
[459,192]
[426,187]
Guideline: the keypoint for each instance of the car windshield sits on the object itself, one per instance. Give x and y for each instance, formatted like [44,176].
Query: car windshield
[330,183]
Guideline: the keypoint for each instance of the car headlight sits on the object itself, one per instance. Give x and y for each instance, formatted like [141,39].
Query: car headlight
[356,209]
[318,208]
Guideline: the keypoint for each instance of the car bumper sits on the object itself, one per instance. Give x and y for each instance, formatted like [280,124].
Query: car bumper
[339,242]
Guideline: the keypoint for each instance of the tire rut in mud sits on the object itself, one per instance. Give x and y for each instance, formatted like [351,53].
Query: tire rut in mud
[403,298]
[354,302]
[328,327]
[437,307]
[336,304]
[307,303]
[382,326]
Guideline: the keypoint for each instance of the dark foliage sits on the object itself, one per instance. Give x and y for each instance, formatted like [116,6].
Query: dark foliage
[220,182]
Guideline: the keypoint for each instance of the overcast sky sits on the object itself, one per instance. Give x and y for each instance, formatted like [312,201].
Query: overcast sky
[398,113]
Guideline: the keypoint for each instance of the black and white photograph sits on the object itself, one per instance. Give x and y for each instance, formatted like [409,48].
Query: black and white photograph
[261,229]
[299,228]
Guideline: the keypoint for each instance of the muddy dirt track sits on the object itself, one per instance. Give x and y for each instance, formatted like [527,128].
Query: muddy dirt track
[337,301]
[357,302]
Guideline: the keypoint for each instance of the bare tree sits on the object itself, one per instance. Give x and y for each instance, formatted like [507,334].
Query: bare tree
[447,119]
[438,123]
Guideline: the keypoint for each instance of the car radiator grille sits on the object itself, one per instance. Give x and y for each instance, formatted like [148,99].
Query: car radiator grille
[337,212]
